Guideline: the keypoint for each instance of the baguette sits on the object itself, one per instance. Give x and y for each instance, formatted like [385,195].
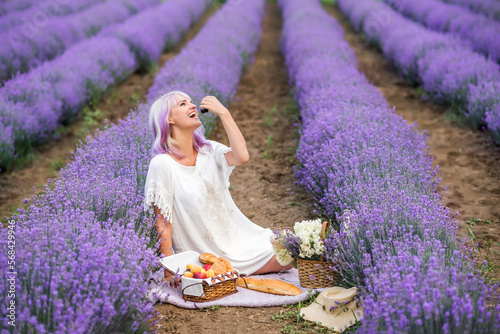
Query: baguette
[269,285]
[208,258]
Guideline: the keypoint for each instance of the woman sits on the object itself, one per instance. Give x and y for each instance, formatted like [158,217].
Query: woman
[187,186]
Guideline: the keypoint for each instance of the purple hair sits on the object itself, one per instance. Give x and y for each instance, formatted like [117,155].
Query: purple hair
[158,122]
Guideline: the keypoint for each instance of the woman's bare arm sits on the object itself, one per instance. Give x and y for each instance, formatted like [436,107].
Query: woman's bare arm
[239,153]
[164,229]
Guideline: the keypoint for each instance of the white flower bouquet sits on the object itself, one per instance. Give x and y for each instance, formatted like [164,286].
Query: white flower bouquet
[304,246]
[304,242]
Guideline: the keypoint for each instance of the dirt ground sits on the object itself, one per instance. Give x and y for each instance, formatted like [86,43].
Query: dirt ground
[468,161]
[264,188]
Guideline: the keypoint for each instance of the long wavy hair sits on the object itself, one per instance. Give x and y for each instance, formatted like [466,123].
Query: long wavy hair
[162,135]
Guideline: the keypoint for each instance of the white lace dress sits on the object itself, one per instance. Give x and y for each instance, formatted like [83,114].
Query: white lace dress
[204,217]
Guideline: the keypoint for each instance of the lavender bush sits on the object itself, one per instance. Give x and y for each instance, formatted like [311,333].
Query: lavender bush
[480,32]
[489,8]
[370,172]
[93,212]
[58,89]
[161,27]
[35,13]
[74,275]
[27,48]
[445,67]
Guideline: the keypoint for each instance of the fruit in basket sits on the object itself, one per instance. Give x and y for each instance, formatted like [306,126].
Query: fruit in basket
[196,268]
[200,275]
[188,274]
[189,266]
[207,266]
[210,273]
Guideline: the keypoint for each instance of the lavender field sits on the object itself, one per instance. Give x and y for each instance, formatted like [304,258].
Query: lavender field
[382,117]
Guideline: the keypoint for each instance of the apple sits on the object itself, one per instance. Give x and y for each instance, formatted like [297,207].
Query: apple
[195,268]
[207,266]
[200,275]
[210,273]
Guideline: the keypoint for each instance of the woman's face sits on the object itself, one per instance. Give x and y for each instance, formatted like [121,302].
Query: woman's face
[183,114]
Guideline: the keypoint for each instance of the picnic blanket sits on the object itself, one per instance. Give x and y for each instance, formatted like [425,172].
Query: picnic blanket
[160,292]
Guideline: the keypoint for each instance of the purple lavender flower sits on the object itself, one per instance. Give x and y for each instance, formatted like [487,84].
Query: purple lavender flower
[370,172]
[442,64]
[480,32]
[47,41]
[488,8]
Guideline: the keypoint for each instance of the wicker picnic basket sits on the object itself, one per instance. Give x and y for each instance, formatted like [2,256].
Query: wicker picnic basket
[317,274]
[225,286]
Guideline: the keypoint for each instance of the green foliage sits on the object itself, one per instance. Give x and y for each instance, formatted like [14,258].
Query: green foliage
[487,268]
[57,165]
[213,307]
[115,95]
[134,99]
[268,152]
[473,221]
[268,121]
[329,2]
[90,120]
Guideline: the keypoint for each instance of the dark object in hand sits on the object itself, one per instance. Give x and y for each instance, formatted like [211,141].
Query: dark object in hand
[203,110]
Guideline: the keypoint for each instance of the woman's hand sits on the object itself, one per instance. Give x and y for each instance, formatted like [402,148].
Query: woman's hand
[173,280]
[213,105]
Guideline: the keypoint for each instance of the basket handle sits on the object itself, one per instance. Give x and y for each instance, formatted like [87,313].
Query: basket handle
[323,233]
[323,230]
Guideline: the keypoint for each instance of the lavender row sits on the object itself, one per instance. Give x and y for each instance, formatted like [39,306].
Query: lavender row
[445,67]
[370,172]
[480,32]
[37,13]
[489,8]
[95,206]
[60,88]
[29,46]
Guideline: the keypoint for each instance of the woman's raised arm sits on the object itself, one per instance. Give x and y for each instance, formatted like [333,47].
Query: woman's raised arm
[239,153]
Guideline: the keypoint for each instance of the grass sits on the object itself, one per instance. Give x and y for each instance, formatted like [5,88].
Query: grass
[268,152]
[91,120]
[457,118]
[488,269]
[473,221]
[134,99]
[56,165]
[269,119]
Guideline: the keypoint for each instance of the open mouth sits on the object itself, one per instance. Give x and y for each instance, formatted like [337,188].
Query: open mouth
[193,115]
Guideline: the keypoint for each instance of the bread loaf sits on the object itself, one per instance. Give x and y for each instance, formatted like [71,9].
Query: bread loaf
[269,285]
[218,268]
[227,264]
[208,258]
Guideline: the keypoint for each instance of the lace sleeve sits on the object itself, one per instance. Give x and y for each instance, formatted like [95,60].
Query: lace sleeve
[218,150]
[158,188]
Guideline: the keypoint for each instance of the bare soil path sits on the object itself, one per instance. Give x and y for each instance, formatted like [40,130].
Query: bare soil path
[27,180]
[262,188]
[469,165]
